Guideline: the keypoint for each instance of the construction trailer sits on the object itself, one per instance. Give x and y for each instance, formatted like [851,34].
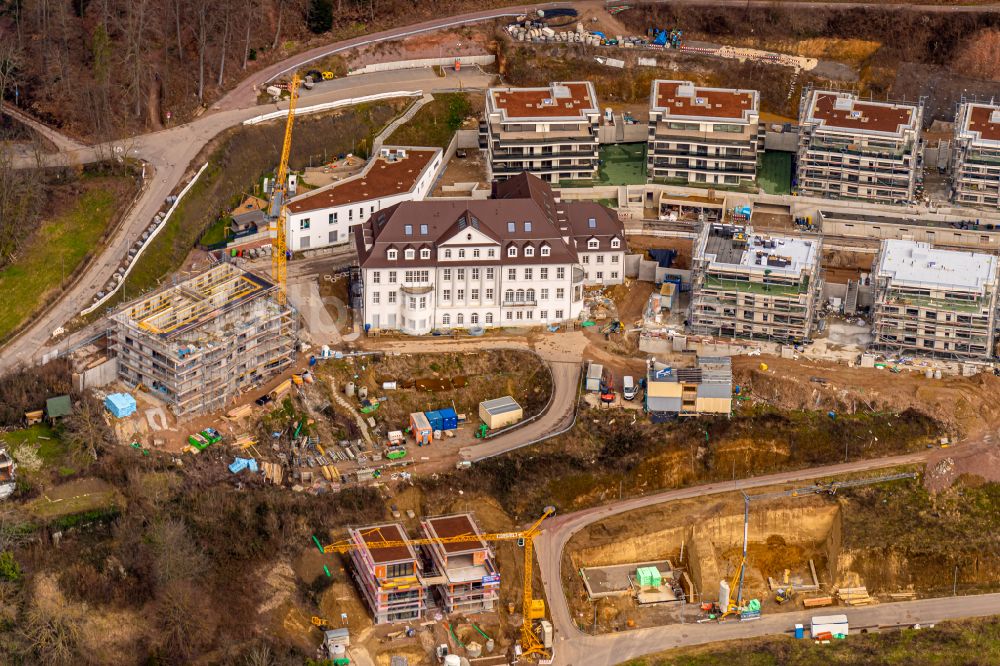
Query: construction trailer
[420,428]
[500,412]
[750,285]
[200,342]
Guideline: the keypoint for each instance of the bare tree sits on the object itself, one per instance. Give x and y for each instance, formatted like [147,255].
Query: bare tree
[134,31]
[11,61]
[250,7]
[277,31]
[178,6]
[225,39]
[202,18]
[85,430]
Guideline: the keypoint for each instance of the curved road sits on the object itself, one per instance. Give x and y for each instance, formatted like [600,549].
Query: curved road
[575,648]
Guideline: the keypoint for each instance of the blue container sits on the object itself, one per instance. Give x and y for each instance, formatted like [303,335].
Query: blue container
[800,631]
[434,418]
[449,419]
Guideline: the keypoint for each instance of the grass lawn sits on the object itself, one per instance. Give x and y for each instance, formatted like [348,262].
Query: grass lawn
[774,174]
[62,242]
[75,497]
[623,164]
[435,123]
[50,448]
[216,233]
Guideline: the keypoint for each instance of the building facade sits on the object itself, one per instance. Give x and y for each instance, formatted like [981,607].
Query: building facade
[933,301]
[203,341]
[467,579]
[853,149]
[390,578]
[549,132]
[703,136]
[750,285]
[975,166]
[520,258]
[324,216]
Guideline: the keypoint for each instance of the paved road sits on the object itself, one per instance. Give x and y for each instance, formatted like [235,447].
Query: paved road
[574,648]
[168,154]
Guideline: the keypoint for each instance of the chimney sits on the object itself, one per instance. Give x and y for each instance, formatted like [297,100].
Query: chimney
[493,189]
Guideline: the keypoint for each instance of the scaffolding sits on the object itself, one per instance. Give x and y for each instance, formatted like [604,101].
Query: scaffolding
[201,342]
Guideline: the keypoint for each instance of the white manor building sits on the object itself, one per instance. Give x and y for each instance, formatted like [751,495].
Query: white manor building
[324,216]
[520,258]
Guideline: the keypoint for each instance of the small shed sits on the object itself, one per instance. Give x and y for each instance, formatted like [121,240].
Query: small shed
[421,428]
[120,405]
[33,417]
[58,407]
[500,412]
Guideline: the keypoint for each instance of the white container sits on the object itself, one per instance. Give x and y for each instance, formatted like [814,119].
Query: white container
[452,660]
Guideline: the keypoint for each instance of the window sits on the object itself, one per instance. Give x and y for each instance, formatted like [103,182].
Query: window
[489,295]
[528,315]
[510,315]
[376,277]
[615,258]
[304,223]
[447,254]
[489,273]
[474,318]
[350,214]
[417,276]
[333,236]
[460,274]
[489,317]
[508,296]
[410,253]
[530,294]
[543,273]
[545,294]
[616,243]
[391,255]
[392,277]
[520,315]
[559,314]
[593,244]
[475,253]
[511,273]
[423,302]
[392,297]
[592,222]
[460,319]
[546,250]
[511,251]
[332,218]
[586,258]
[375,298]
[527,227]
[461,254]
[460,294]
[423,229]
[511,227]
[446,294]
[560,293]
[528,273]
[446,274]
[446,320]
[614,275]
[543,314]
[519,296]
[561,273]
[408,230]
[475,294]
[475,273]
[600,258]
[425,253]
[491,253]
[529,251]
[413,303]
[600,275]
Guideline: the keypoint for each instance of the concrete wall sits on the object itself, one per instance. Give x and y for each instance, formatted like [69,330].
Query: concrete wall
[99,375]
[466,60]
[786,141]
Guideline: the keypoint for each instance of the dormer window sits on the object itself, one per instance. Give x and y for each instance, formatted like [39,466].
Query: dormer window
[615,243]
[425,253]
[512,251]
[529,251]
[447,254]
[391,255]
[593,244]
[410,253]
[546,251]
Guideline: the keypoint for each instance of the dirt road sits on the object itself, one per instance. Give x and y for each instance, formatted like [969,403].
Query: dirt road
[574,648]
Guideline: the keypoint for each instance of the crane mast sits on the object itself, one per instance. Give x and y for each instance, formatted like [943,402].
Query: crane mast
[279,196]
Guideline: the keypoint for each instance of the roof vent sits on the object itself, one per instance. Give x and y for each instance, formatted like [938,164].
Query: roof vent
[843,104]
[701,101]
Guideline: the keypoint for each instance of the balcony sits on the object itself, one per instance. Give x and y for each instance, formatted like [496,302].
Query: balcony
[516,303]
[417,288]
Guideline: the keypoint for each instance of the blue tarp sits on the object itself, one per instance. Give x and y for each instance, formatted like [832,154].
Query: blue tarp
[120,404]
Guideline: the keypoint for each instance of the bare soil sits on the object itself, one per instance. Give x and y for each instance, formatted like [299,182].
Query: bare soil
[839,266]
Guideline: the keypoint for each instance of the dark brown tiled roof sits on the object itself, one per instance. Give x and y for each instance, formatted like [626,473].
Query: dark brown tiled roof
[544,102]
[979,121]
[453,526]
[381,179]
[867,116]
[705,103]
[380,533]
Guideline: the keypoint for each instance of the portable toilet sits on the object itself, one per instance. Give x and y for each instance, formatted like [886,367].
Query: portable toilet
[421,428]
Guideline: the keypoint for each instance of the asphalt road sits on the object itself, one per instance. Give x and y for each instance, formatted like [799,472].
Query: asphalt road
[575,648]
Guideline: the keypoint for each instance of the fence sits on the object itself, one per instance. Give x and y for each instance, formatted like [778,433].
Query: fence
[424,62]
[326,106]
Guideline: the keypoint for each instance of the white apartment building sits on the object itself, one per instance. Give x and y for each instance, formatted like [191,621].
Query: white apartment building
[325,215]
[701,135]
[975,167]
[520,258]
[549,132]
[854,149]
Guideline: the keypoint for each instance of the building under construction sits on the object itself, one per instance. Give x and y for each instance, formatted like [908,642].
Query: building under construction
[198,343]
[750,285]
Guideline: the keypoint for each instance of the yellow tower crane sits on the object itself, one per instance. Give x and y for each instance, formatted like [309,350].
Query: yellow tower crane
[530,645]
[279,195]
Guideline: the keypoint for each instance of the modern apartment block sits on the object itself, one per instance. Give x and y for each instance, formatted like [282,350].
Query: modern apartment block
[549,132]
[751,285]
[520,258]
[932,301]
[390,578]
[324,216]
[703,136]
[853,149]
[464,573]
[202,341]
[975,167]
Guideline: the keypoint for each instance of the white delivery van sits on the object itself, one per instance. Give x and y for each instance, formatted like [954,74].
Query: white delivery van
[629,390]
